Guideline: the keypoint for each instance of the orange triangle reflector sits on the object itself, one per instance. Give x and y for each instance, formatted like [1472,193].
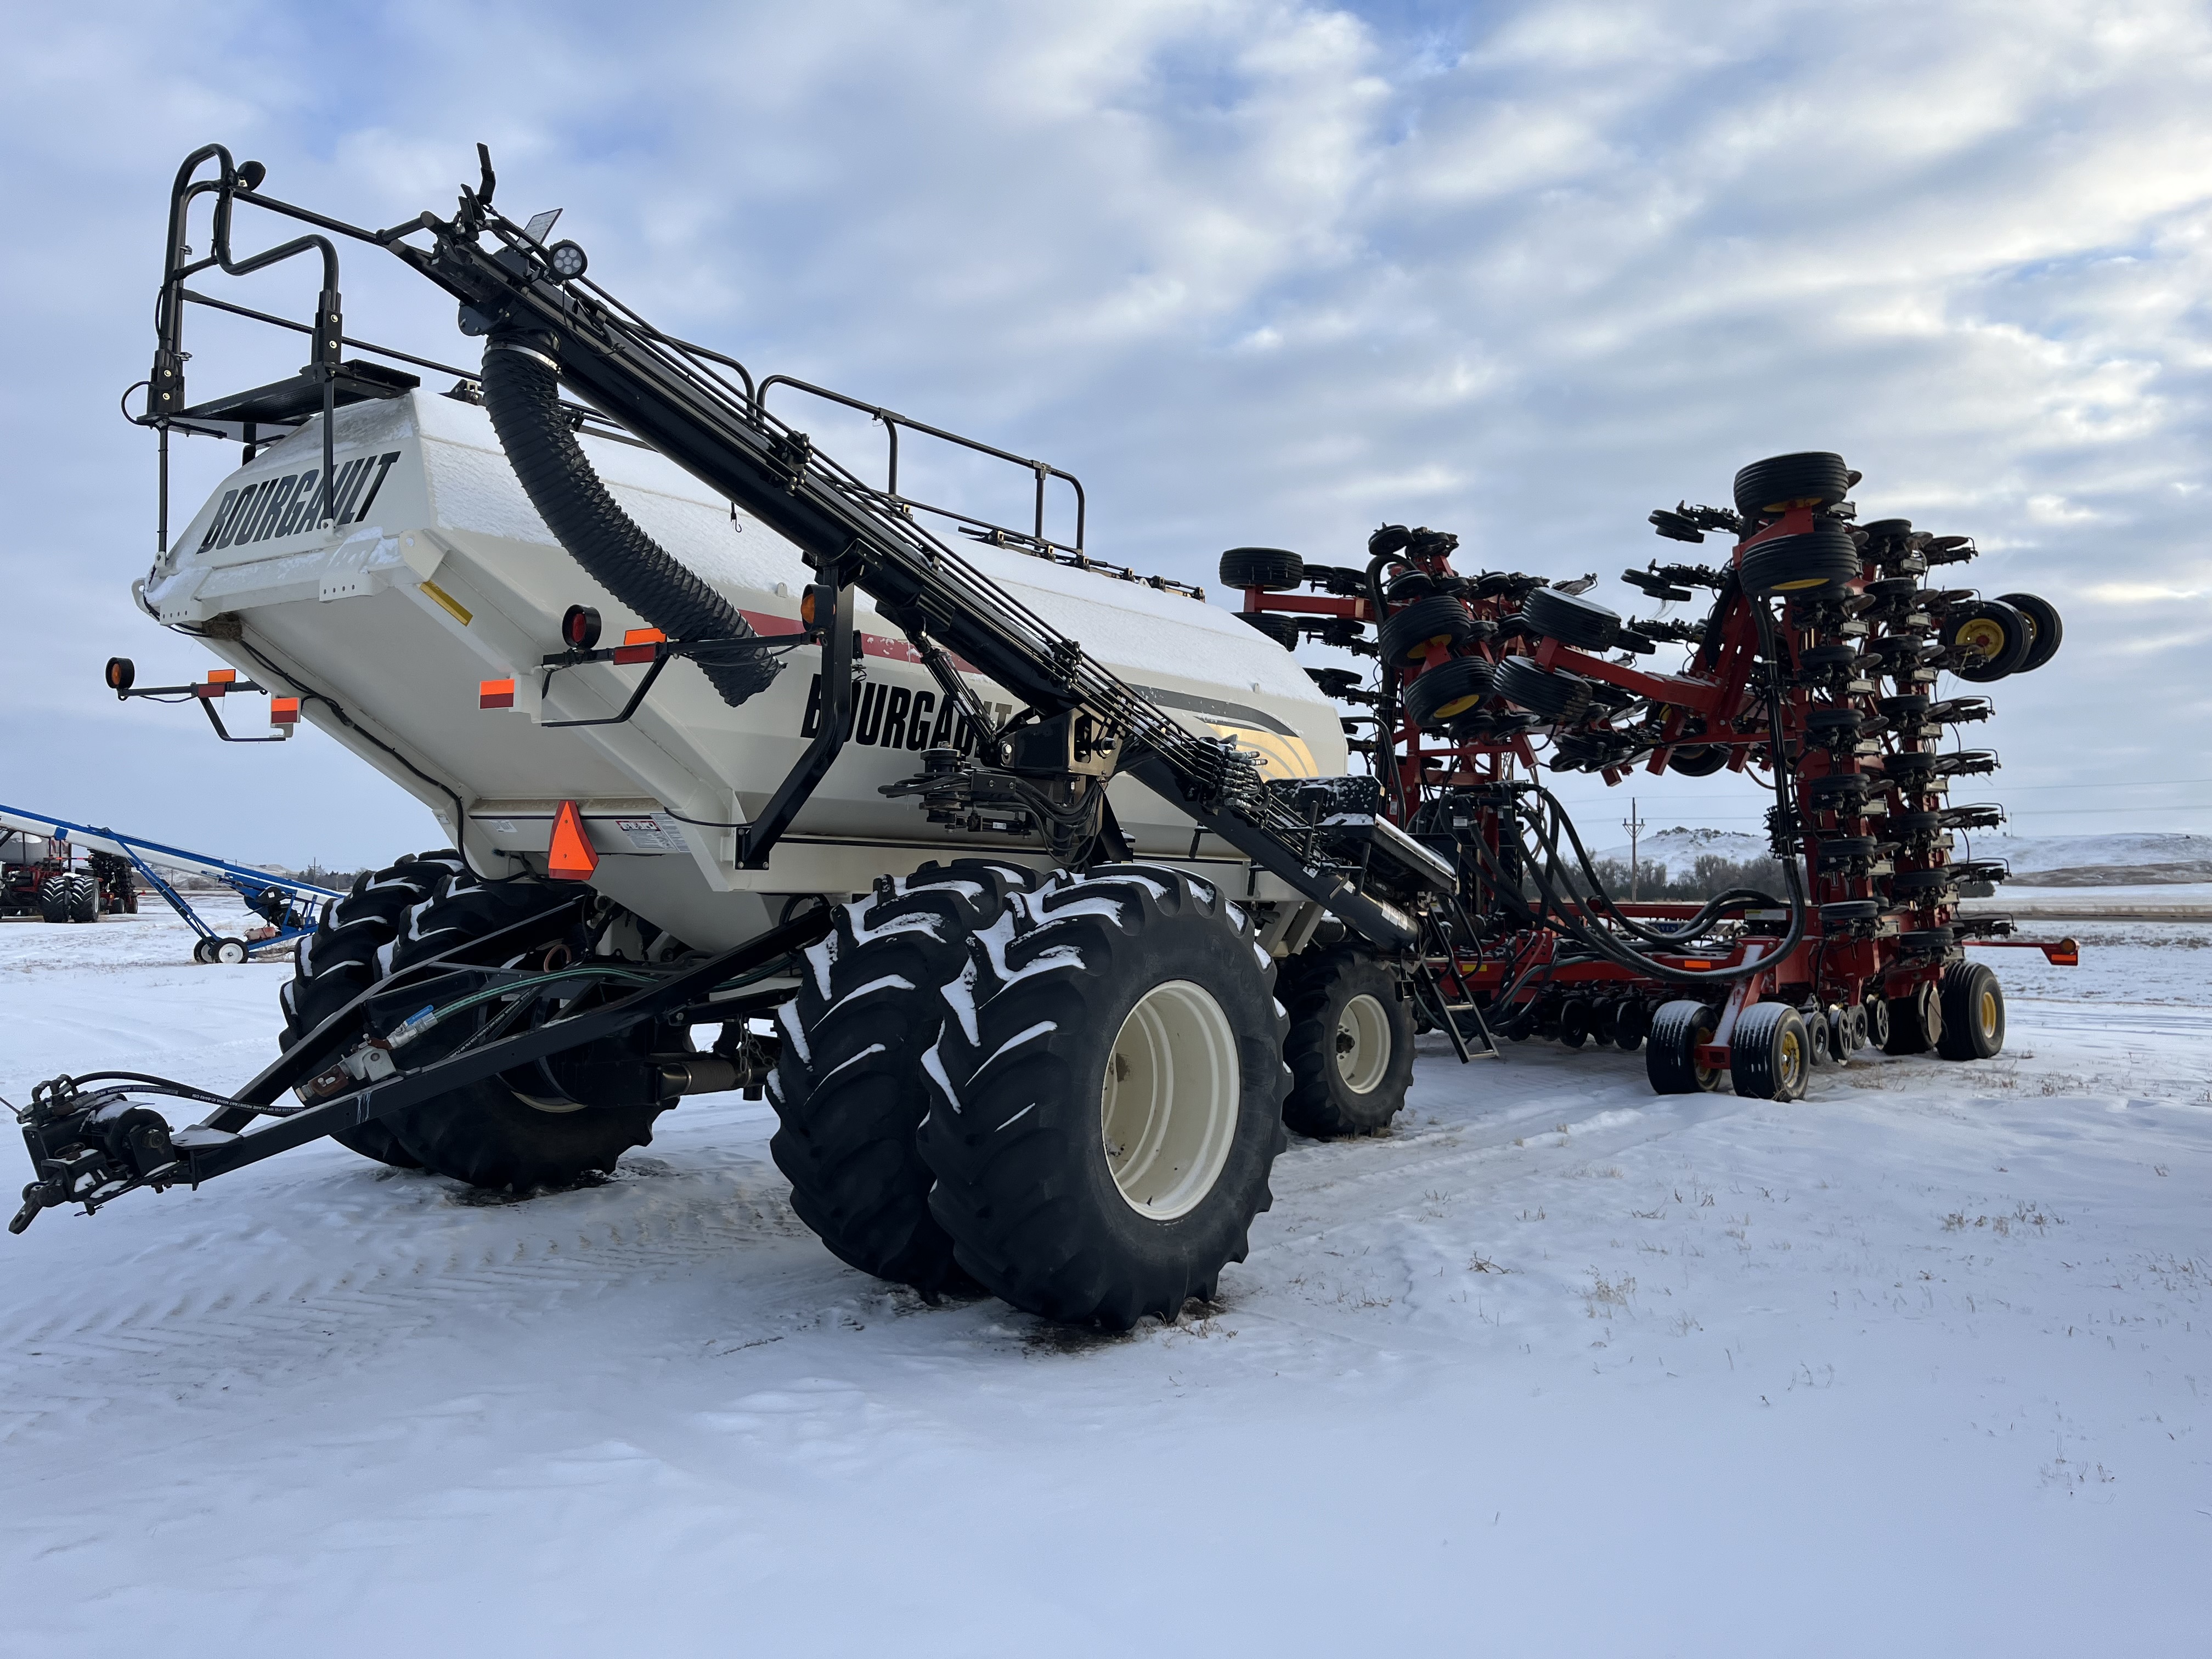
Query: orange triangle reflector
[571,858]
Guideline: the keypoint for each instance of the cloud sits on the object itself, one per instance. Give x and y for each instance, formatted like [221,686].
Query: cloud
[1258,271]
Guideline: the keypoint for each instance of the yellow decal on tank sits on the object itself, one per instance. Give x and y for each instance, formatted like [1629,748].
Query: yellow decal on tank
[1279,755]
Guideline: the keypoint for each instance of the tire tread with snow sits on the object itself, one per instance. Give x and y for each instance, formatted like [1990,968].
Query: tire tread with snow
[350,951]
[1136,978]
[491,1134]
[848,1088]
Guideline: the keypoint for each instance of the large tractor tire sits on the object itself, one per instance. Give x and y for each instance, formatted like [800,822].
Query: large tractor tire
[345,954]
[1107,1099]
[1350,1047]
[84,898]
[54,899]
[848,1088]
[548,1125]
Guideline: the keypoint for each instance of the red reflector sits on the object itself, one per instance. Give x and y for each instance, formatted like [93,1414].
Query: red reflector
[637,644]
[495,693]
[284,711]
[1696,963]
[571,857]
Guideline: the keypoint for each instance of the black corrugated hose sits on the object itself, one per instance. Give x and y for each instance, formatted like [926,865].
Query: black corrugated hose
[521,391]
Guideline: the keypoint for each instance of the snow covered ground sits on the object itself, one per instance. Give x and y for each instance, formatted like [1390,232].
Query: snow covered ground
[1561,1367]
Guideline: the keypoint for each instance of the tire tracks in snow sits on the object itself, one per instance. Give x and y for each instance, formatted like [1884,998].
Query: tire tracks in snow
[258,1300]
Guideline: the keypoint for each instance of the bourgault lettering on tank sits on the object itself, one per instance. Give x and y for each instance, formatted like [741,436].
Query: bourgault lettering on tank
[457,580]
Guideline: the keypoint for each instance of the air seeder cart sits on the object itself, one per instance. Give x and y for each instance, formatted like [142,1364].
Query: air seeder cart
[1036,896]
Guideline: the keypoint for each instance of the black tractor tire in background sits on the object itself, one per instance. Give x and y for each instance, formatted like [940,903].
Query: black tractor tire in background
[1973,1012]
[1440,619]
[1442,693]
[1283,630]
[1276,569]
[1813,478]
[53,899]
[847,1089]
[1769,1053]
[2047,629]
[503,1134]
[84,898]
[1800,564]
[1551,694]
[1350,1047]
[1670,1050]
[1571,619]
[1916,1021]
[1109,1098]
[341,959]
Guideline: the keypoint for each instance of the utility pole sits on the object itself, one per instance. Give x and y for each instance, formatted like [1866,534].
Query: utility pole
[1634,824]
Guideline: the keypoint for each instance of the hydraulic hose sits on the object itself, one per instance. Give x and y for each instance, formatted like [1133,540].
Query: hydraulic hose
[521,393]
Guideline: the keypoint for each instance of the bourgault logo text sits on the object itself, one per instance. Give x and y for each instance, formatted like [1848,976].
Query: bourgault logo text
[283,506]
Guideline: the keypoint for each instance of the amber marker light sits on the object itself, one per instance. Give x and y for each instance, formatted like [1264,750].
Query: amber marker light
[638,644]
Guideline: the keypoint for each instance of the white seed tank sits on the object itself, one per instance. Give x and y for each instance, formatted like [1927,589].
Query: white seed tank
[439,576]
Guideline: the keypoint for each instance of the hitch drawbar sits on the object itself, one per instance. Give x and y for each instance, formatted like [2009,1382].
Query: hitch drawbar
[89,1147]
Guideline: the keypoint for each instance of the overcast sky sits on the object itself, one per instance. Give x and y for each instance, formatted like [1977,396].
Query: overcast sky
[1257,273]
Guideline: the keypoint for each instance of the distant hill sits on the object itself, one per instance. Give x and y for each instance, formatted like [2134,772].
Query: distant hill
[2120,859]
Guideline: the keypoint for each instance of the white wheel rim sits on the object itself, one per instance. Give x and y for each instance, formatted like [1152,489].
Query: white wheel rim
[1168,1104]
[1362,1044]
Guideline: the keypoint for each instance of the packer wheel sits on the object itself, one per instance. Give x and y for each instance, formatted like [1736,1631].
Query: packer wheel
[2004,637]
[1281,629]
[1571,619]
[1813,478]
[1670,1050]
[1440,619]
[1914,1022]
[2045,629]
[1973,1012]
[1275,569]
[1800,564]
[1769,1053]
[1549,693]
[1442,693]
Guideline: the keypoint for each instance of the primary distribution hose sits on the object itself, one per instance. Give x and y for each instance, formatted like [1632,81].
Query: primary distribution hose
[521,393]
